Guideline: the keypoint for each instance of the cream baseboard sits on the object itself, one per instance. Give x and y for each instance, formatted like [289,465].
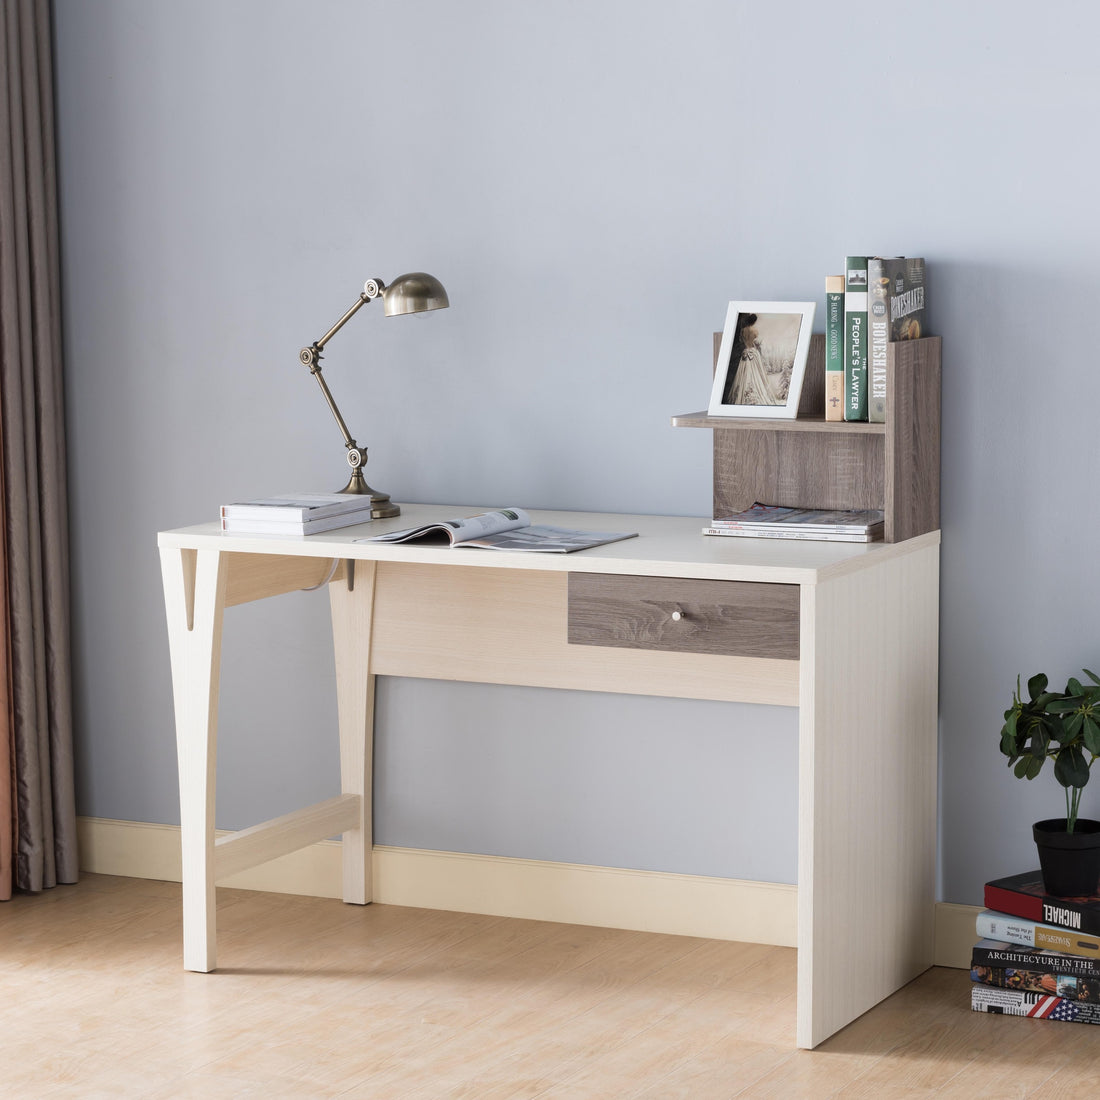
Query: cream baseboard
[609,897]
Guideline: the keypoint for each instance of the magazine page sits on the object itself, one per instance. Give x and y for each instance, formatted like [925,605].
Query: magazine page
[457,531]
[552,540]
[760,515]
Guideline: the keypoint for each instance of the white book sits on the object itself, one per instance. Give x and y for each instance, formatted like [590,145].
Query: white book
[296,507]
[279,526]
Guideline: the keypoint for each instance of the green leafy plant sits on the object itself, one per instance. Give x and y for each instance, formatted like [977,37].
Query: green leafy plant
[1061,725]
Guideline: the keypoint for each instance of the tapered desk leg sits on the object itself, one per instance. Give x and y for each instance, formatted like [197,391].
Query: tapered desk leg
[352,609]
[194,596]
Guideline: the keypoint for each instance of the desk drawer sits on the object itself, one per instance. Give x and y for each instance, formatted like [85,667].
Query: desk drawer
[730,618]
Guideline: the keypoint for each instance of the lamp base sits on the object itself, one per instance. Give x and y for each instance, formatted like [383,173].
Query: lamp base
[381,507]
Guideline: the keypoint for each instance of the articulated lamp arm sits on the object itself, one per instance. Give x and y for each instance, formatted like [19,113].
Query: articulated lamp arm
[416,292]
[356,455]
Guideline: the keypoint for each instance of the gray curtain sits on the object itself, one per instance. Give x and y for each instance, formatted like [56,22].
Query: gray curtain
[32,444]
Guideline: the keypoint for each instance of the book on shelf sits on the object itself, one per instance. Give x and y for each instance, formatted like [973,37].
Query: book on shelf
[1050,982]
[1030,933]
[504,529]
[855,338]
[771,521]
[1014,1002]
[295,514]
[1024,895]
[895,311]
[834,347]
[1001,953]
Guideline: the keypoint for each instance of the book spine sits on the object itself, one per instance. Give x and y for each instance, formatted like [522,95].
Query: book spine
[855,338]
[1041,962]
[1050,982]
[878,336]
[1060,912]
[834,347]
[998,926]
[1042,1006]
[895,311]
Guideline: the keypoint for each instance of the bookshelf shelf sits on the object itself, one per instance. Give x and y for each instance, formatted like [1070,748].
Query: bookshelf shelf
[809,462]
[805,424]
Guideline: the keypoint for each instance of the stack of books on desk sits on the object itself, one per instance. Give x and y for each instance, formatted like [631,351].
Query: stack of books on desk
[1039,955]
[295,514]
[767,521]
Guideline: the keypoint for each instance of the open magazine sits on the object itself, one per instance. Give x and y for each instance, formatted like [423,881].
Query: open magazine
[507,529]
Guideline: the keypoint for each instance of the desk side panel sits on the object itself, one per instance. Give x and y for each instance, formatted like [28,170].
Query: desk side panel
[867,788]
[506,626]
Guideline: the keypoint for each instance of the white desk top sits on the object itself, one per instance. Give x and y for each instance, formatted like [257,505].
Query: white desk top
[667,546]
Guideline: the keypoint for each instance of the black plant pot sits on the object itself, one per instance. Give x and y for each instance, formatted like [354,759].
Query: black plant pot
[1070,861]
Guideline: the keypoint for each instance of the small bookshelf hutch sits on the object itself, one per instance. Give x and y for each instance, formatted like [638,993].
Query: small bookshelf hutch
[811,462]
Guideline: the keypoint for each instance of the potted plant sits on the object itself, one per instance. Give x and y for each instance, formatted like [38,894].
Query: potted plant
[1064,726]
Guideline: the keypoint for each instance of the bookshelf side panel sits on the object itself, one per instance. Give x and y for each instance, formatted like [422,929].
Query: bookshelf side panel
[913,438]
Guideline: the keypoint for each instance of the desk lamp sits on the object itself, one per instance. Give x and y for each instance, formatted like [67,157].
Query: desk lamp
[412,293]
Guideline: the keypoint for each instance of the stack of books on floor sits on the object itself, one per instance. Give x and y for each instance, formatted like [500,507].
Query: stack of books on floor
[295,514]
[767,521]
[1038,955]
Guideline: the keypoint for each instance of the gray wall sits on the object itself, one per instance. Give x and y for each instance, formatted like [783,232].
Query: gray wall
[593,182]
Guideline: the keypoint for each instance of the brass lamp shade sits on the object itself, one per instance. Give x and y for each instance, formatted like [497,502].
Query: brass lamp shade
[413,293]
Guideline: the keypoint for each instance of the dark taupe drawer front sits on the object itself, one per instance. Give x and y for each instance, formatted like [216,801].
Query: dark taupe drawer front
[732,618]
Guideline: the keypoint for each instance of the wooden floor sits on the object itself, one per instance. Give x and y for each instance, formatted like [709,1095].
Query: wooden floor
[318,999]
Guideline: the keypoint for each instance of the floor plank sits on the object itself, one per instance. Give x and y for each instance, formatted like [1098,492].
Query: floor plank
[318,999]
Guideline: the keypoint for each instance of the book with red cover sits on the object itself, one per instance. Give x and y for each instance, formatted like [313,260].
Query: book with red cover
[1025,896]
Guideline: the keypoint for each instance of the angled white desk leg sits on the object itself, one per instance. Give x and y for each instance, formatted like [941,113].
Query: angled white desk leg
[352,600]
[194,597]
[867,788]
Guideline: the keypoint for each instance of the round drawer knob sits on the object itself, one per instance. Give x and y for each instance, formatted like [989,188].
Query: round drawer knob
[677,616]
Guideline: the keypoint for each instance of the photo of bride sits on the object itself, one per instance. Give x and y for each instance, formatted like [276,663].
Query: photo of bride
[762,359]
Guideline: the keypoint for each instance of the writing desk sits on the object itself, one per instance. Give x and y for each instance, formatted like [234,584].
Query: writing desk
[846,632]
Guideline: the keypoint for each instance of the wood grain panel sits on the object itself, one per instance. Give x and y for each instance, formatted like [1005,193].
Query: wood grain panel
[798,470]
[811,401]
[257,576]
[913,438]
[262,843]
[745,424]
[736,618]
[508,626]
[352,602]
[867,788]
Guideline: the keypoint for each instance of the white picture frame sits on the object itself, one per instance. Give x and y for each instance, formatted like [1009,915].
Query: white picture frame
[763,379]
